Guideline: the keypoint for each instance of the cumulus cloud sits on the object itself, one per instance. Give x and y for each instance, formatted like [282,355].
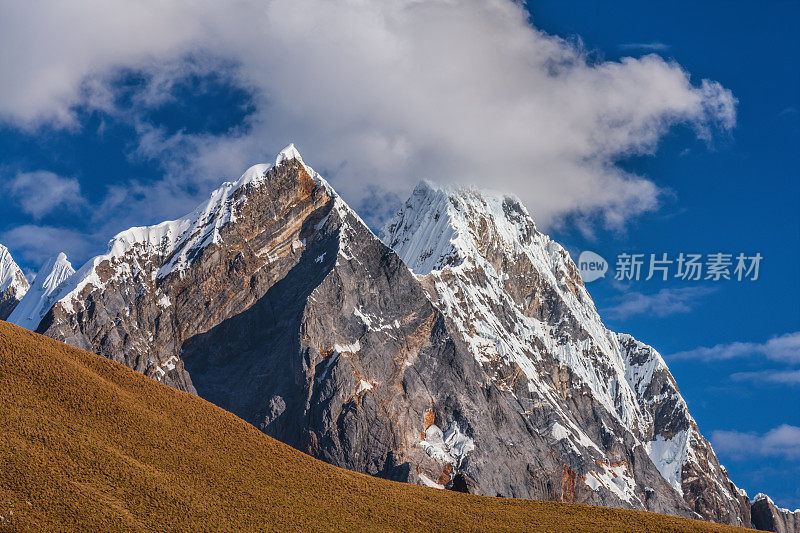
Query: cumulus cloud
[377,94]
[782,441]
[663,303]
[39,193]
[784,348]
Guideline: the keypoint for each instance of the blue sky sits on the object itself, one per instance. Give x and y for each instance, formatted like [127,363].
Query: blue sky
[131,128]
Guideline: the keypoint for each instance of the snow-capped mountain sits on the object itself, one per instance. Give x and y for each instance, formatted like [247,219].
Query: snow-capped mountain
[39,297]
[520,304]
[13,284]
[487,369]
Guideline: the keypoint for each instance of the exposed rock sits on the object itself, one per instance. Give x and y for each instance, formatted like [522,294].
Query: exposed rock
[520,305]
[769,517]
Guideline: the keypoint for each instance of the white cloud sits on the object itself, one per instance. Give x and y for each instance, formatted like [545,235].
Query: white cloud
[378,94]
[663,303]
[784,348]
[783,377]
[39,193]
[647,47]
[782,441]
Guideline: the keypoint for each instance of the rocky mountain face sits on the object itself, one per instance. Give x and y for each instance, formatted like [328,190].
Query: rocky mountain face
[460,351]
[606,402]
[769,517]
[159,286]
[13,284]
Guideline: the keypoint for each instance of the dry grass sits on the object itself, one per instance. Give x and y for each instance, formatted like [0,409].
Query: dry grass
[86,444]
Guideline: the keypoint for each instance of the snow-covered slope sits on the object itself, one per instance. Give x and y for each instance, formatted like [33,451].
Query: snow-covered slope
[37,300]
[467,231]
[11,275]
[520,303]
[13,284]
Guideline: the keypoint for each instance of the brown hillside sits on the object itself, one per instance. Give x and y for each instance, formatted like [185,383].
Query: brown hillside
[87,444]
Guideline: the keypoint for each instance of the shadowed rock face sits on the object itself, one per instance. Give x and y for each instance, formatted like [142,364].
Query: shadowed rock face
[768,517]
[8,301]
[274,301]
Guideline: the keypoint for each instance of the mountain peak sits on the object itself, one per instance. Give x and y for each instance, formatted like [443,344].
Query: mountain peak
[11,275]
[256,173]
[38,299]
[523,310]
[13,284]
[60,259]
[290,152]
[442,225]
[171,246]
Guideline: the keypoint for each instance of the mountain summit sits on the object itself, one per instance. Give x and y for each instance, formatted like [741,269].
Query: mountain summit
[461,350]
[13,284]
[37,301]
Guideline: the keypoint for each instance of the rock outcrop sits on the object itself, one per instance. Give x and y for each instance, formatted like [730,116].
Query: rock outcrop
[769,517]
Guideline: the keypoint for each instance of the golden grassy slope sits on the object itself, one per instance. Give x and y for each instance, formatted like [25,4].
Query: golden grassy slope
[87,444]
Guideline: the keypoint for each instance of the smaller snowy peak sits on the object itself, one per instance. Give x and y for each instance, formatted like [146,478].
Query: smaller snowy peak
[253,174]
[39,298]
[761,496]
[443,225]
[11,276]
[642,362]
